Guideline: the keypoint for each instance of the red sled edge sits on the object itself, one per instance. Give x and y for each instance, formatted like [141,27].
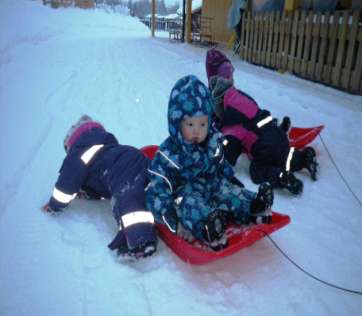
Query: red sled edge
[300,137]
[239,237]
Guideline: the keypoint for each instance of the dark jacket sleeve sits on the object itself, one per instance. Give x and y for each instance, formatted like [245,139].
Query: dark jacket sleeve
[159,194]
[70,179]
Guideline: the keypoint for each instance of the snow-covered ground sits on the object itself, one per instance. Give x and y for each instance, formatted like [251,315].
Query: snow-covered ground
[58,64]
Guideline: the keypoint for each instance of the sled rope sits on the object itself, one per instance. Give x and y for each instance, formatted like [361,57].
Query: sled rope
[305,271]
[339,172]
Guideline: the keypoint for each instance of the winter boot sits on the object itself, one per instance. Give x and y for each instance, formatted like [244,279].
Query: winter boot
[141,250]
[214,230]
[260,211]
[288,181]
[310,162]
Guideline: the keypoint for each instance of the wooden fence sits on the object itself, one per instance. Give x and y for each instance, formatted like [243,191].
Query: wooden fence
[326,48]
[162,24]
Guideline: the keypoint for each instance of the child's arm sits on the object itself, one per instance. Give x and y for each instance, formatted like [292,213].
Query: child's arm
[159,193]
[70,179]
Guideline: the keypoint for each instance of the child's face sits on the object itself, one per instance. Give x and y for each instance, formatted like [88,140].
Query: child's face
[194,129]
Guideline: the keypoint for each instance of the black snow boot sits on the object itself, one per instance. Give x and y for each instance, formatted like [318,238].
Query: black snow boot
[260,211]
[214,230]
[288,181]
[310,162]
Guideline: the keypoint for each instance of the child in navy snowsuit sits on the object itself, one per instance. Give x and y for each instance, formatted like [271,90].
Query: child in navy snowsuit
[190,181]
[253,130]
[97,166]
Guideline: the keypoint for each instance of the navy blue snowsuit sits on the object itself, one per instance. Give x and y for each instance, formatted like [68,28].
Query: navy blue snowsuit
[100,166]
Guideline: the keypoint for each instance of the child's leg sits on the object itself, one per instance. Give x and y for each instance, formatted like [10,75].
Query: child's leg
[193,210]
[265,173]
[234,201]
[305,158]
[135,221]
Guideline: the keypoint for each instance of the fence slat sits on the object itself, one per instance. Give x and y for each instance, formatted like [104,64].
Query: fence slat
[315,47]
[265,31]
[275,39]
[300,44]
[332,35]
[249,36]
[280,51]
[356,80]
[287,35]
[346,72]
[322,52]
[307,44]
[270,40]
[342,36]
[243,36]
[260,39]
[255,39]
[291,57]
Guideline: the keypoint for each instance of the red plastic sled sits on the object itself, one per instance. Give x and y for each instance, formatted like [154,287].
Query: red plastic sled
[300,137]
[239,236]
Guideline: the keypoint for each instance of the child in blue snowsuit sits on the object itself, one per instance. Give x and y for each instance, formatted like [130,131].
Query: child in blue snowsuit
[97,166]
[190,181]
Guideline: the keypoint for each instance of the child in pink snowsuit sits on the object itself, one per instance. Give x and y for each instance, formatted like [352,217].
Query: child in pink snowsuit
[253,130]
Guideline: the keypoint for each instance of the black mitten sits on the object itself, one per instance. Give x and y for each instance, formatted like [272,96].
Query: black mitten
[119,242]
[233,149]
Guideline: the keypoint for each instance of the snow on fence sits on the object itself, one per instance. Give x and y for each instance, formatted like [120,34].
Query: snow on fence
[326,48]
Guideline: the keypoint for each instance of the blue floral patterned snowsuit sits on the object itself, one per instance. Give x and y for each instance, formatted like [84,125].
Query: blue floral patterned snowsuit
[193,178]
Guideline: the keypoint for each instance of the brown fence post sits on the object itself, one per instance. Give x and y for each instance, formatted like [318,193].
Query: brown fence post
[300,44]
[294,34]
[307,44]
[322,54]
[342,36]
[275,39]
[242,52]
[352,37]
[356,81]
[280,52]
[332,35]
[315,47]
[270,38]
[287,36]
[265,37]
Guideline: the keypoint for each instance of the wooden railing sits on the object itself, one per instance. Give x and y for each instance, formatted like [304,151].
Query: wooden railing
[326,48]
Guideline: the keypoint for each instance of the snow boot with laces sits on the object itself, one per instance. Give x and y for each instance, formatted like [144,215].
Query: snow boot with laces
[310,162]
[288,181]
[214,230]
[260,211]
